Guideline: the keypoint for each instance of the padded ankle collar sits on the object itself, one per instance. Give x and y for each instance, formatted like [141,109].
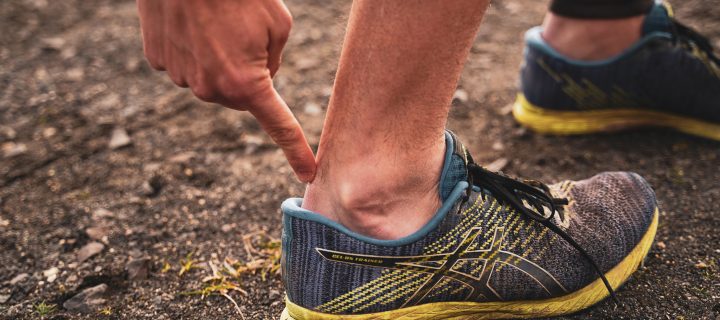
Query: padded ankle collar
[534,39]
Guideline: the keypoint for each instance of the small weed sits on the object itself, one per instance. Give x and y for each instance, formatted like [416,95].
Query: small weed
[44,309]
[106,311]
[166,267]
[187,264]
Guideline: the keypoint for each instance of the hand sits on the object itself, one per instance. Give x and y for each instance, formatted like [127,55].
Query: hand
[227,52]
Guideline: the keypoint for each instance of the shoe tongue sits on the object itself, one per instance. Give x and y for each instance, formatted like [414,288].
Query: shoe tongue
[658,19]
[455,167]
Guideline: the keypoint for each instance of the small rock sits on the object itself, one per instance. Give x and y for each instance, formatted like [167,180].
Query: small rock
[96,233]
[87,300]
[101,213]
[460,95]
[521,132]
[306,63]
[151,188]
[89,250]
[7,132]
[313,109]
[4,298]
[701,265]
[226,228]
[12,149]
[138,269]
[51,274]
[506,110]
[119,139]
[497,165]
[19,278]
[274,294]
[498,146]
[75,74]
[183,157]
[661,245]
[55,43]
[71,279]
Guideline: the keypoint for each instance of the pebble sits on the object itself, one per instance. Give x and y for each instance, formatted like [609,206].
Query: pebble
[497,165]
[55,43]
[119,139]
[12,149]
[87,300]
[89,250]
[226,228]
[138,269]
[701,265]
[102,213]
[151,188]
[51,274]
[660,245]
[96,233]
[460,95]
[498,146]
[4,298]
[7,132]
[19,278]
[312,108]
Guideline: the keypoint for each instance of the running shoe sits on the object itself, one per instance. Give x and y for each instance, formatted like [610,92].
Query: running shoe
[669,78]
[497,248]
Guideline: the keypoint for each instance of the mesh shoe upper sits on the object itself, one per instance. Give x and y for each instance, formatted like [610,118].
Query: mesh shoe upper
[671,69]
[475,249]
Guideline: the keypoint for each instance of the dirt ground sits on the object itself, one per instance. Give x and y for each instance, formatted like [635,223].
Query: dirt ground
[197,179]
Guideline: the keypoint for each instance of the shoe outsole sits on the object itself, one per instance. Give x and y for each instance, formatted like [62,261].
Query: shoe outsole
[570,303]
[593,121]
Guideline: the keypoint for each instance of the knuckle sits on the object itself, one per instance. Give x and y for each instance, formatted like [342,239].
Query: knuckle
[241,87]
[177,79]
[203,92]
[153,61]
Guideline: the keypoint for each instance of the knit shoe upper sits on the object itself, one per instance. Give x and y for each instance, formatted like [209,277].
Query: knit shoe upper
[480,254]
[670,75]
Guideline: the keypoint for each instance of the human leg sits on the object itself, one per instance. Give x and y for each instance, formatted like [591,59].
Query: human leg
[381,149]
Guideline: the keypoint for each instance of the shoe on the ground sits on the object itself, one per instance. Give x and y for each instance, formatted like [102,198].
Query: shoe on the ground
[669,78]
[497,248]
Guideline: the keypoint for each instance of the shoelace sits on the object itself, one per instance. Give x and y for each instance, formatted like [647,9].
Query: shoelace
[687,34]
[531,198]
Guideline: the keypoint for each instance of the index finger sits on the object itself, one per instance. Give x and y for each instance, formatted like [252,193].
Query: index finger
[280,124]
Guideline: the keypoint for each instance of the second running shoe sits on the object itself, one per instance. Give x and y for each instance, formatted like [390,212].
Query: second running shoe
[669,78]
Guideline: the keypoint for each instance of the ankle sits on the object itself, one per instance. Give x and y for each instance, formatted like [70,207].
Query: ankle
[591,39]
[375,196]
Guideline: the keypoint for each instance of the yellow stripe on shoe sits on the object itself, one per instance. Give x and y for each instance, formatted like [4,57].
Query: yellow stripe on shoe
[573,302]
[592,121]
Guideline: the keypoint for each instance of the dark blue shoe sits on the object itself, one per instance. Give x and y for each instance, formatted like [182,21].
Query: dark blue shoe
[669,78]
[497,248]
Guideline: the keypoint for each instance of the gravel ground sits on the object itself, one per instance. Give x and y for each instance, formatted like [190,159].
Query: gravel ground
[111,175]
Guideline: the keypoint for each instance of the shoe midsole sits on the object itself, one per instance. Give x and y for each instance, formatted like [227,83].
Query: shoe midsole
[573,302]
[588,121]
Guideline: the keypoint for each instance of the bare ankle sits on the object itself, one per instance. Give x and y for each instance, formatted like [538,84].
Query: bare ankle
[376,198]
[591,39]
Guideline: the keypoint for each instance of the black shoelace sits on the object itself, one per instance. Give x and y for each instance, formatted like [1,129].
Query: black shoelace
[532,199]
[690,36]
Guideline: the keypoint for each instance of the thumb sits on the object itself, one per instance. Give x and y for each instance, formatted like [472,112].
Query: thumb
[280,124]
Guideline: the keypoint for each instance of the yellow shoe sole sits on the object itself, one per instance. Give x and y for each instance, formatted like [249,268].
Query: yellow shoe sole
[570,303]
[592,121]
